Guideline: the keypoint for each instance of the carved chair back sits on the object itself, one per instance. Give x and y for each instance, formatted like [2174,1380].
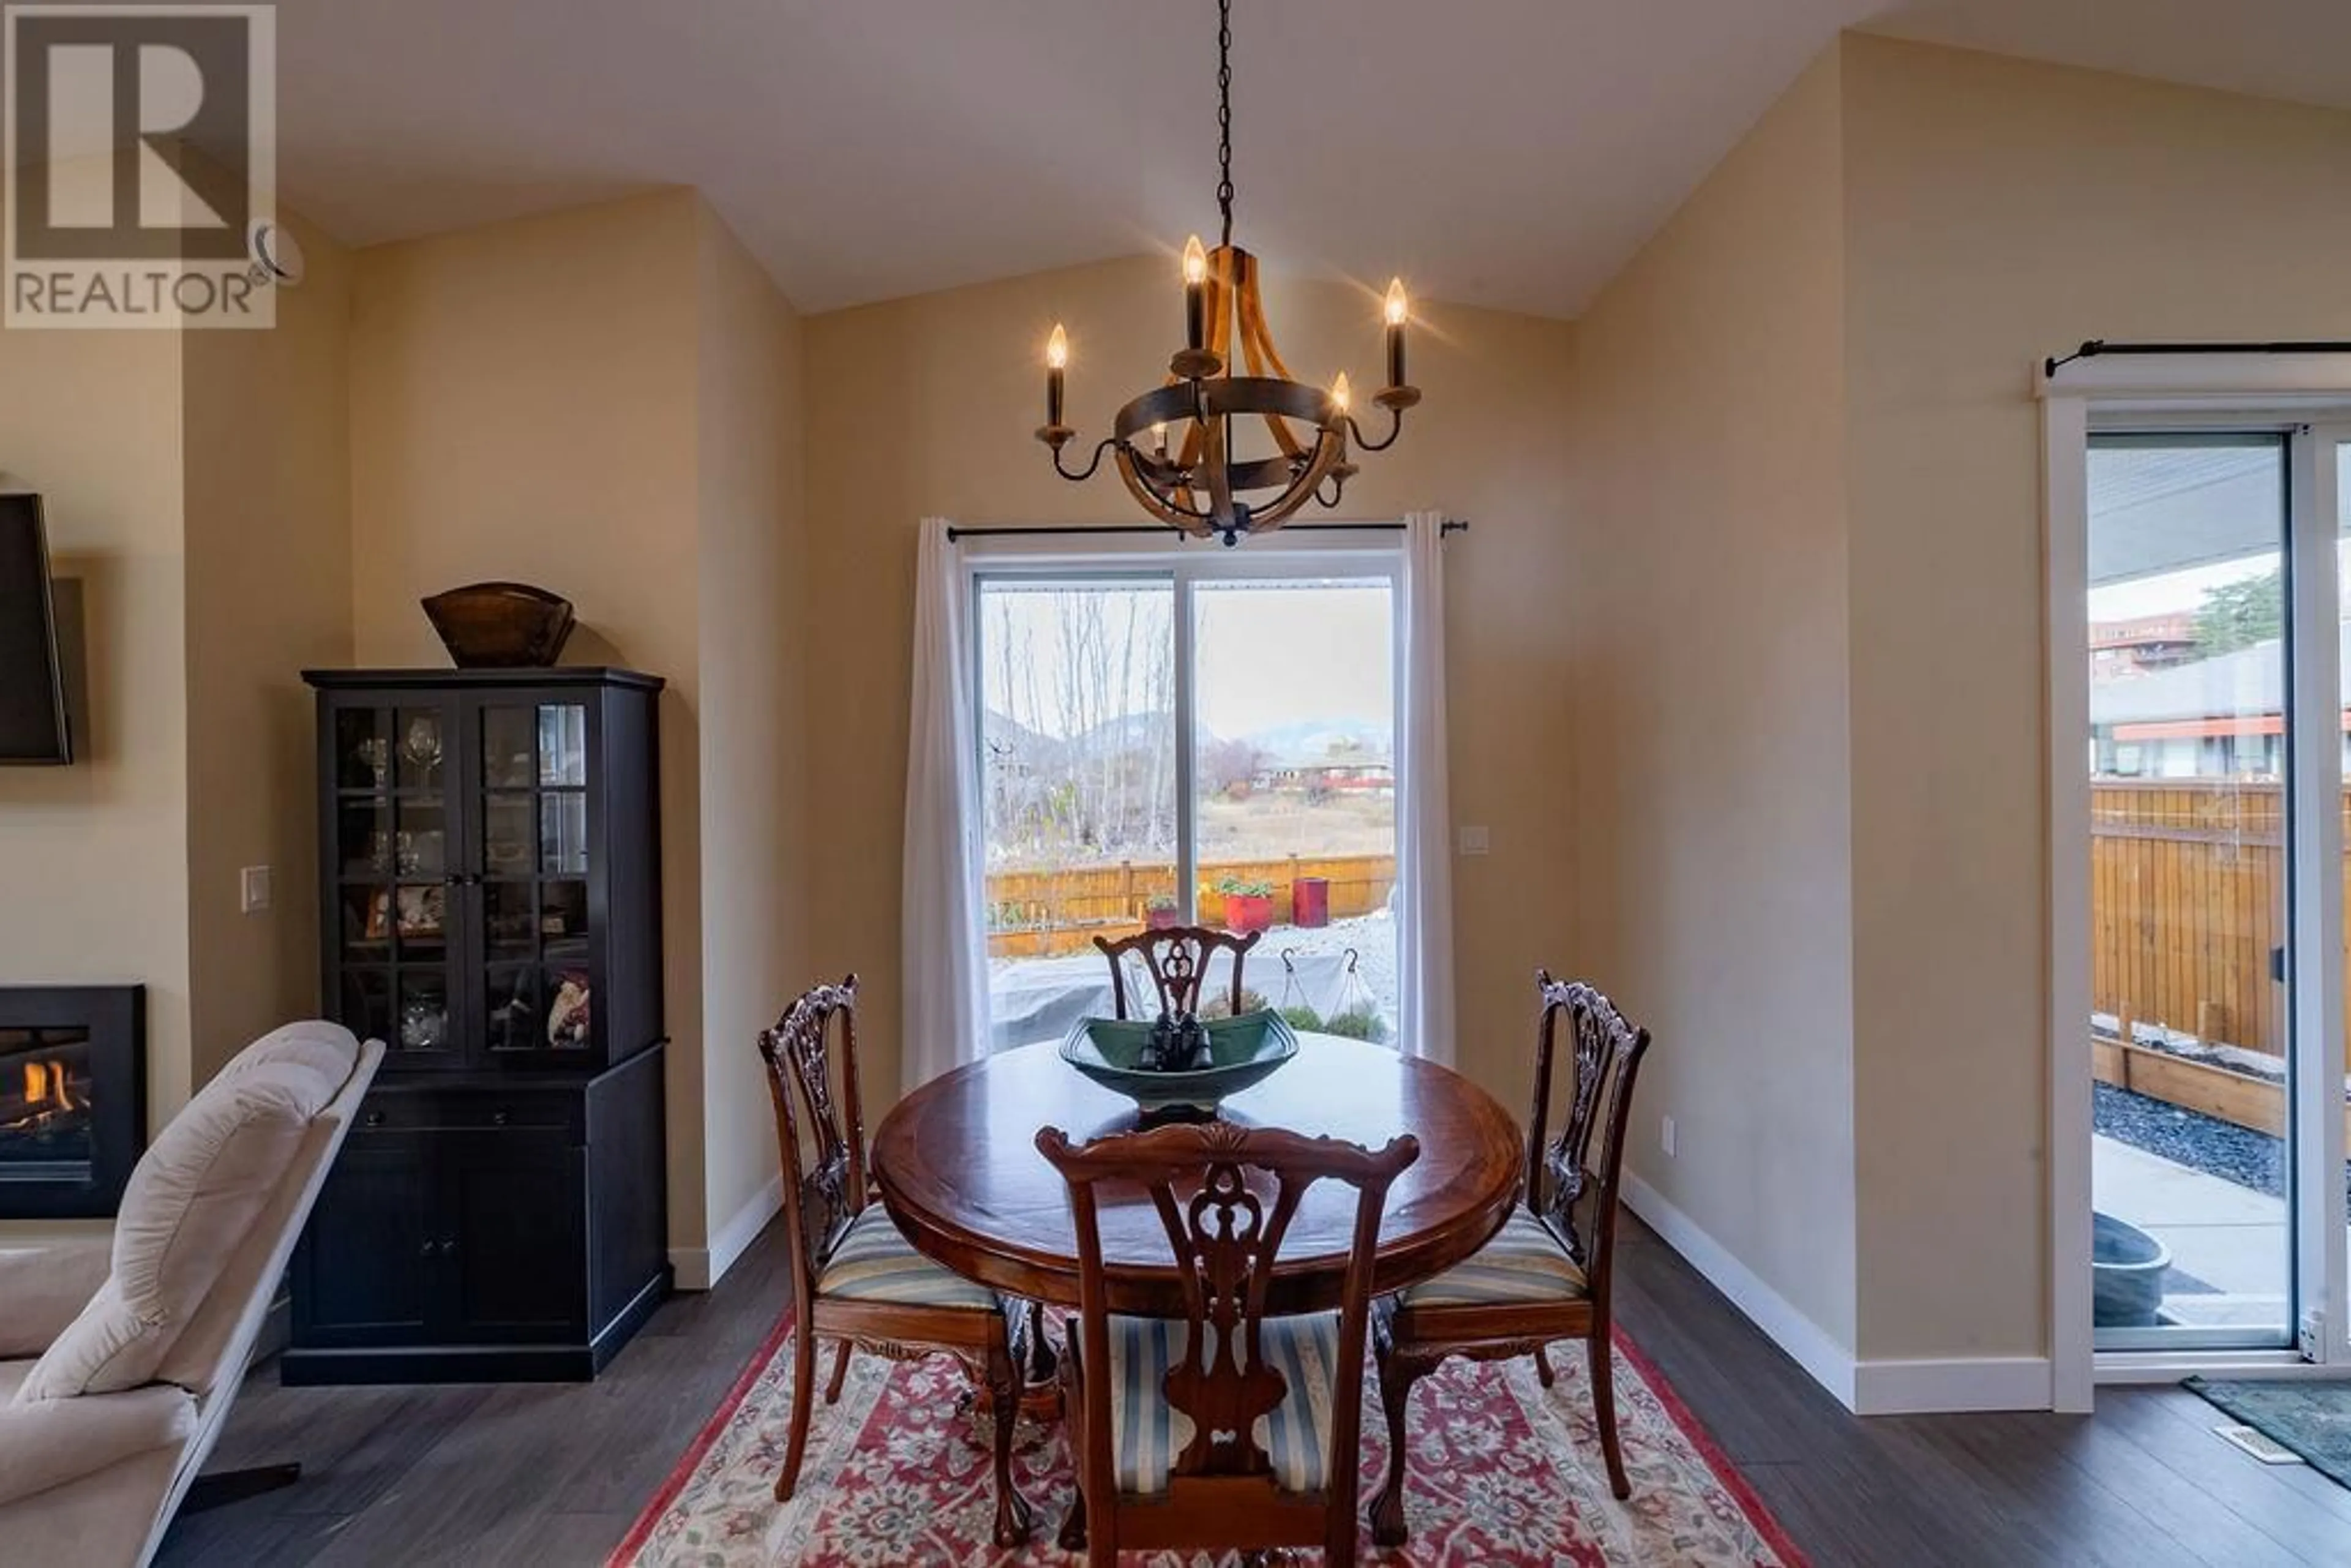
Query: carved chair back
[1177,959]
[1572,1178]
[1209,1184]
[824,1184]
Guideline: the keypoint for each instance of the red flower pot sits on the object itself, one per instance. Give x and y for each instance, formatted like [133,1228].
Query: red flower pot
[1162,919]
[1247,912]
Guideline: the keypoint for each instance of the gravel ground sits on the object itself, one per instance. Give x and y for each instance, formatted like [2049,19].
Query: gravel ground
[2202,1142]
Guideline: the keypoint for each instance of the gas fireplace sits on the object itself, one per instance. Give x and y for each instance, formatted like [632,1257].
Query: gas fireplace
[73,1113]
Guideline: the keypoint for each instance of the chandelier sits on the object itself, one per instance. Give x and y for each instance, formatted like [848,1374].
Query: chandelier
[1201,485]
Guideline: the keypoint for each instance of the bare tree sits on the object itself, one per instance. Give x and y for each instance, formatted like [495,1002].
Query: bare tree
[1228,767]
[1089,681]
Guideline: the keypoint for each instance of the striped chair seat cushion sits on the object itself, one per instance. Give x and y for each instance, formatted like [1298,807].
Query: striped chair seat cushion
[873,1262]
[1523,1264]
[1148,1433]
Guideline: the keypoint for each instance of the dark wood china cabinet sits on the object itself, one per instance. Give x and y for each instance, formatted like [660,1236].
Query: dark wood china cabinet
[490,886]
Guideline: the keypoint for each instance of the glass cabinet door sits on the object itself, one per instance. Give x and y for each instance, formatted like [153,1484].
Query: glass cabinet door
[538,979]
[396,843]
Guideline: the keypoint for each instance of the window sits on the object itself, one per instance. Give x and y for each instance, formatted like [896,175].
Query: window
[1210,742]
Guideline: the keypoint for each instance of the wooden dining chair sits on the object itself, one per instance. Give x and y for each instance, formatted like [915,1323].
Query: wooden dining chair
[1545,1275]
[1176,958]
[1224,1427]
[856,1280]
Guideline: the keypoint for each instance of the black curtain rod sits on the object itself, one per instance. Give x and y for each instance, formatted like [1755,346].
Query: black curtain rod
[1450,526]
[2095,347]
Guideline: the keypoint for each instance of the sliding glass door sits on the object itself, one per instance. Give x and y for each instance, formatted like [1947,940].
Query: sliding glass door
[2217,741]
[2192,827]
[1204,742]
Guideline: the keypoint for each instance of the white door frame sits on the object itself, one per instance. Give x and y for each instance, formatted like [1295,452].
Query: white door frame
[2310,391]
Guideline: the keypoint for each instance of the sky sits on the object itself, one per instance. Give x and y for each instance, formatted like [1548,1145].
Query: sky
[2173,591]
[1267,656]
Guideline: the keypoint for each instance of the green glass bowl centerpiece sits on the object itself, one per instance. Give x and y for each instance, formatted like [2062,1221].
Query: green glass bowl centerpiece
[1118,1054]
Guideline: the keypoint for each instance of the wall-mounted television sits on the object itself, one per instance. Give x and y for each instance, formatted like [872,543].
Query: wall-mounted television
[32,675]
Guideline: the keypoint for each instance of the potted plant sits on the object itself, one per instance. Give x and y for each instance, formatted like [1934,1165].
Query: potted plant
[1249,903]
[1220,1005]
[1160,911]
[1362,1021]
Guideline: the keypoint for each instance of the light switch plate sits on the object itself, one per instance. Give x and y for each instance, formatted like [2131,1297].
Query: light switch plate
[1474,842]
[253,889]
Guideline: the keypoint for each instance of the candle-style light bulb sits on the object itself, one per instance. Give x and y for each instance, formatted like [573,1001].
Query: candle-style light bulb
[1398,308]
[1057,359]
[1196,295]
[1341,392]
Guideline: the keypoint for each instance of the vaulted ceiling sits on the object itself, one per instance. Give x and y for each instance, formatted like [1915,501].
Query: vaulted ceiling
[1507,153]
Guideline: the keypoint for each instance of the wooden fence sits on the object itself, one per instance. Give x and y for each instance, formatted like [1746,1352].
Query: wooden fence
[1038,914]
[2186,906]
[2187,911]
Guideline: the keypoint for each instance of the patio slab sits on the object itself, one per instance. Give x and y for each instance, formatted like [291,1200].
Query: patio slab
[2229,1237]
[1033,999]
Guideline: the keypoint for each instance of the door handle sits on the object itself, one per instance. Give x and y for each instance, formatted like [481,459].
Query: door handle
[2277,965]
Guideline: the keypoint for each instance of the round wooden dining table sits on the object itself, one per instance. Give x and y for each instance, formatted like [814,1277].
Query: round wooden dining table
[958,1165]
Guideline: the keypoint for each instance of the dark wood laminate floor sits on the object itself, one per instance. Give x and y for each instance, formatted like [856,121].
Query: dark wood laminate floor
[553,1476]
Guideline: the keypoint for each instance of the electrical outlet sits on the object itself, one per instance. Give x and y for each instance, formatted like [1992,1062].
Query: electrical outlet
[253,889]
[1666,1135]
[1473,841]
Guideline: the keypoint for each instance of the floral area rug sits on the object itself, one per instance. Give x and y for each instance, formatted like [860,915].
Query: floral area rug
[1504,1472]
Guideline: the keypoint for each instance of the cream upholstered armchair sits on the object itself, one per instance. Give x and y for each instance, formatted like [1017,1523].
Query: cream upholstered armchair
[118,1360]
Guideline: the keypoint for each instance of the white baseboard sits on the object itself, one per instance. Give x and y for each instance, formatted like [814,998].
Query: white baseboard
[699,1268]
[1811,1346]
[1864,1387]
[1967,1382]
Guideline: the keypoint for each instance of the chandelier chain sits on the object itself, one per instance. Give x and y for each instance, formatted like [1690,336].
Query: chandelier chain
[1210,489]
[1225,114]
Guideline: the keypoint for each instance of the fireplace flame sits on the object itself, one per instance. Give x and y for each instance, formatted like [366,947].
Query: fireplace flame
[48,1092]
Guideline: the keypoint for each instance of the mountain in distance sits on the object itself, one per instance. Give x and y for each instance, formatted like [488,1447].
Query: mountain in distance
[1300,740]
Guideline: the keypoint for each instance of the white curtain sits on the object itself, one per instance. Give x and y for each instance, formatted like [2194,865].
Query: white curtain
[944,1010]
[1424,836]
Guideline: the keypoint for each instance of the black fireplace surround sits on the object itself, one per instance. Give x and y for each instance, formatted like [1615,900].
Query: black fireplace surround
[73,1098]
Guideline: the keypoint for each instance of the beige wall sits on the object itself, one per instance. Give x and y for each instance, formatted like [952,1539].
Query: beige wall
[754,752]
[1711,667]
[522,407]
[1999,211]
[267,483]
[197,495]
[605,402]
[1812,788]
[95,856]
[926,406]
